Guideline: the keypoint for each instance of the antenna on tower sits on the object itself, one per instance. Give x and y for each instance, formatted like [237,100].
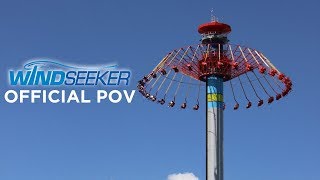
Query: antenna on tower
[213,17]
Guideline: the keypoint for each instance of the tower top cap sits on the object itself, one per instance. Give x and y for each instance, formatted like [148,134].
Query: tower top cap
[214,27]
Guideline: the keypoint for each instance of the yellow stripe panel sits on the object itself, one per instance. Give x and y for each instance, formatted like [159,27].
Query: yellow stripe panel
[215,97]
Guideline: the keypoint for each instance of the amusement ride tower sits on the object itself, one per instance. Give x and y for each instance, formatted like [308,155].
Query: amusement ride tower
[211,64]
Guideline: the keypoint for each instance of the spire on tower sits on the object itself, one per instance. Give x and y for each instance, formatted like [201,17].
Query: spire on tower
[213,17]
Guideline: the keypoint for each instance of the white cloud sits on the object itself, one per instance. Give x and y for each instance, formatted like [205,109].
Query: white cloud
[183,176]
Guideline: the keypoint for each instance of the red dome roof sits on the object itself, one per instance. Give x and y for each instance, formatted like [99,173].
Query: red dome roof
[214,26]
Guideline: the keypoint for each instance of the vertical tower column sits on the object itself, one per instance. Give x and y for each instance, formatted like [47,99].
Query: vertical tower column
[214,128]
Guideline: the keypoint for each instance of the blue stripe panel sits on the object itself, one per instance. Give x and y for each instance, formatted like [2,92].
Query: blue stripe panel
[215,104]
[215,85]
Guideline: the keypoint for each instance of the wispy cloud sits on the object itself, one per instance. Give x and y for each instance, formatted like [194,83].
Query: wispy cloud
[183,176]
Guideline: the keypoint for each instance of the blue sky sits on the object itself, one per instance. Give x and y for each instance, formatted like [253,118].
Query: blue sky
[142,141]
